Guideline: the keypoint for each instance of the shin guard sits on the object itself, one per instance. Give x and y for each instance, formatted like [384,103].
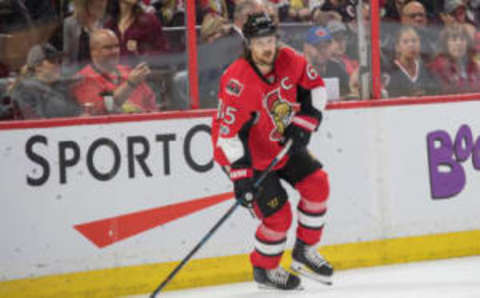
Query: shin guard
[271,238]
[314,190]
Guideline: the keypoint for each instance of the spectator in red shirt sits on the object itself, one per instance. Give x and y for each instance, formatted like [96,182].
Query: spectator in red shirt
[454,66]
[107,87]
[140,33]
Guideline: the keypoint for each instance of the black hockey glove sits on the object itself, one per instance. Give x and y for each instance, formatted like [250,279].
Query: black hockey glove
[243,186]
[300,131]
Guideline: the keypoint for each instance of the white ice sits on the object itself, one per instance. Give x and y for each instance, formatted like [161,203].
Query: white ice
[450,278]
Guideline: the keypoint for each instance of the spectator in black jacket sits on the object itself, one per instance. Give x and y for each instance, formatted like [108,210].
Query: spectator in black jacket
[317,51]
[408,75]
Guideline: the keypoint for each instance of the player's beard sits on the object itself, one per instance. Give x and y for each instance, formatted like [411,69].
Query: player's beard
[267,58]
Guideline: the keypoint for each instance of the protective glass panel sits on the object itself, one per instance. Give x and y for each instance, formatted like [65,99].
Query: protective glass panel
[337,44]
[84,58]
[328,35]
[428,48]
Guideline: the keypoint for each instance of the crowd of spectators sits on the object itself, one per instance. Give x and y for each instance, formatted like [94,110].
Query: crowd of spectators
[63,58]
[428,47]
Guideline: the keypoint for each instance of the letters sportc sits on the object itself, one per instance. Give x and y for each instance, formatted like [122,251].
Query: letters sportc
[134,156]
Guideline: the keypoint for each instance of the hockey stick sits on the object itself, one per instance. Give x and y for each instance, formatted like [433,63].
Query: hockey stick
[257,183]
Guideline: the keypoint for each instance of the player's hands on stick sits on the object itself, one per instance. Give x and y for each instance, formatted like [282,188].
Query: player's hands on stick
[243,182]
[300,131]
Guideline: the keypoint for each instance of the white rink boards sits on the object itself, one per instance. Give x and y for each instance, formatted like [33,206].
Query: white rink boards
[93,202]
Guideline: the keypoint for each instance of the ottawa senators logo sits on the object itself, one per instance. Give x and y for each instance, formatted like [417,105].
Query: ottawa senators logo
[280,110]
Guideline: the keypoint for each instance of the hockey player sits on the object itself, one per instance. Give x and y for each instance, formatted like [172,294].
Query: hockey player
[266,97]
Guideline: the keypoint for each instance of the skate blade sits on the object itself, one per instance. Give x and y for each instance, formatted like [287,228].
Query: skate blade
[270,288]
[304,271]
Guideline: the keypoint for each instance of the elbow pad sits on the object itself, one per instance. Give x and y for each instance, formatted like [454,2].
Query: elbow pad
[307,109]
[235,148]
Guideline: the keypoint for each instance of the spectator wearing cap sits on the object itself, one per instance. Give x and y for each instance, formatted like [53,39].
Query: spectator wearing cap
[455,67]
[106,87]
[40,91]
[455,12]
[338,47]
[408,75]
[316,49]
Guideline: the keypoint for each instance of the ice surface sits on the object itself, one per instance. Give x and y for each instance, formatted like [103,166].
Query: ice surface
[451,278]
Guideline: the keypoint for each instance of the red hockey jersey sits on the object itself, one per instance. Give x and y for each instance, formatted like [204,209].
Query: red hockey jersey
[272,98]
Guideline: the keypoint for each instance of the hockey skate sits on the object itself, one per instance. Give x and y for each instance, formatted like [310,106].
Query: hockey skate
[308,262]
[277,278]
